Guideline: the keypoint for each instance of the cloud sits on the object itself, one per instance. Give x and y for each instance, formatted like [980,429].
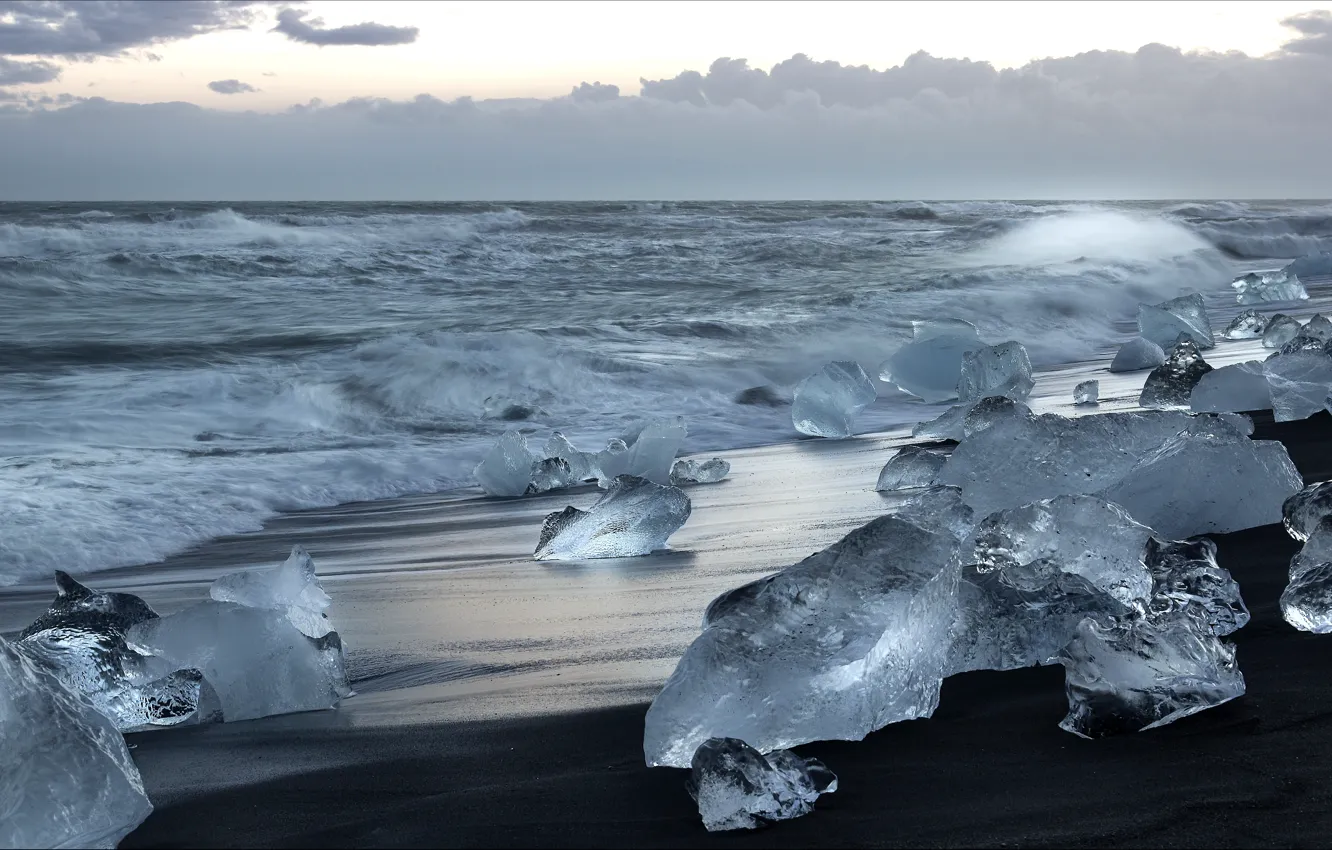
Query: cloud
[1315,29]
[231,87]
[88,28]
[14,73]
[594,92]
[292,24]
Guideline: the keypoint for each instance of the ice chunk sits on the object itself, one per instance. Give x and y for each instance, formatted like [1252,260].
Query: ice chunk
[911,466]
[256,661]
[1247,325]
[1138,673]
[827,402]
[612,461]
[1306,602]
[652,452]
[1186,578]
[1261,287]
[847,641]
[292,588]
[699,472]
[945,426]
[552,473]
[1313,336]
[737,787]
[67,780]
[1137,354]
[1299,383]
[1171,383]
[929,366]
[1280,330]
[633,517]
[1302,512]
[506,469]
[582,465]
[1163,323]
[998,370]
[81,640]
[1234,388]
[1311,265]
[1087,392]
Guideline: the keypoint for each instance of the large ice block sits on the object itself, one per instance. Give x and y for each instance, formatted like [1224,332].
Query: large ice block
[1137,354]
[1299,382]
[1263,287]
[737,787]
[633,517]
[997,370]
[1235,388]
[1163,323]
[845,642]
[1280,330]
[911,466]
[827,402]
[1247,325]
[699,471]
[506,470]
[929,366]
[292,588]
[67,779]
[1171,383]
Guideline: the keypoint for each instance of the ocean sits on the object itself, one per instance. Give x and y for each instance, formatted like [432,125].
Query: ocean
[171,373]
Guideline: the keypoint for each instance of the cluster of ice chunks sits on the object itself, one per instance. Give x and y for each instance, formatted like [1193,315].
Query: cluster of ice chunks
[82,641]
[1247,325]
[633,517]
[1261,287]
[737,787]
[1171,383]
[1312,336]
[1280,330]
[1306,602]
[1087,392]
[1179,473]
[1163,323]
[1137,354]
[909,467]
[845,642]
[699,472]
[930,365]
[826,403]
[67,780]
[996,370]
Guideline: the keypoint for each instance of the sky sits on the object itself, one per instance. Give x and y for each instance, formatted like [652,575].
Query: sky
[549,100]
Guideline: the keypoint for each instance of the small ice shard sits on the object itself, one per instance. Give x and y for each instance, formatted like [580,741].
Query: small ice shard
[256,661]
[1247,325]
[1302,512]
[582,465]
[1163,323]
[1262,287]
[506,469]
[68,780]
[845,642]
[1306,603]
[1136,673]
[1087,392]
[1299,383]
[292,588]
[997,370]
[1171,383]
[827,402]
[652,453]
[1280,330]
[1186,578]
[1137,354]
[737,787]
[699,472]
[911,466]
[1232,389]
[1311,265]
[633,517]
[929,366]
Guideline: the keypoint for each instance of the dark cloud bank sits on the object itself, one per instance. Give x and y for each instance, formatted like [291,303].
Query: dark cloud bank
[1155,123]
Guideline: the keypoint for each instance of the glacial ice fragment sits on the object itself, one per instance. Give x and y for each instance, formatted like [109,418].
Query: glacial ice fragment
[612,462]
[633,517]
[845,642]
[1186,578]
[997,370]
[1137,354]
[1280,330]
[1311,265]
[699,472]
[1306,603]
[737,787]
[911,466]
[1299,383]
[1247,325]
[1163,323]
[1087,392]
[1262,287]
[652,453]
[506,469]
[827,402]
[1232,389]
[67,780]
[929,366]
[582,465]
[1170,384]
[1302,512]
[552,473]
[292,588]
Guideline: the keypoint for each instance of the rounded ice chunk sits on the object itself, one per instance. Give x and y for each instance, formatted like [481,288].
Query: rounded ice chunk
[1247,325]
[1137,354]
[1087,392]
[997,370]
[1163,323]
[911,466]
[737,787]
[929,366]
[827,402]
[506,470]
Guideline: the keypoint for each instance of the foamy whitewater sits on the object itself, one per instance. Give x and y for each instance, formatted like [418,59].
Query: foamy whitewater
[176,373]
